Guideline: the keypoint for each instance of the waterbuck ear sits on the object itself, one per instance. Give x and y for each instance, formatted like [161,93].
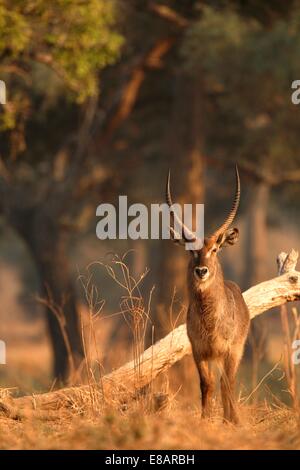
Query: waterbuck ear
[230,237]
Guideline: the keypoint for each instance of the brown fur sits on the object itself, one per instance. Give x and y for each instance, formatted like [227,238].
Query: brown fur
[217,323]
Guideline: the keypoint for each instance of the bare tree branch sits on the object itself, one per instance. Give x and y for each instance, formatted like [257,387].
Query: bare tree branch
[169,14]
[153,59]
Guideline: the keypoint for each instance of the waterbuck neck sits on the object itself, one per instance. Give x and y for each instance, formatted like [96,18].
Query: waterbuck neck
[208,296]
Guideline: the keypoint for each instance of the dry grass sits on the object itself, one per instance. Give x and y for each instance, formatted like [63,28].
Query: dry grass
[177,425]
[178,428]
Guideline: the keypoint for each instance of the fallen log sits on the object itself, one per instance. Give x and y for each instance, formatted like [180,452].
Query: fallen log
[163,354]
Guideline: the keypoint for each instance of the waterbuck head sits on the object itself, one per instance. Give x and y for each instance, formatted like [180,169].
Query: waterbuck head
[204,265]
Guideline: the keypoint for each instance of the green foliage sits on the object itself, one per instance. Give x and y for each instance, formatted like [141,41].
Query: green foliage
[14,28]
[248,72]
[48,50]
[77,39]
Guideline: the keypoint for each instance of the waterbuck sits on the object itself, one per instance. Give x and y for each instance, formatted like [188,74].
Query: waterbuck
[218,317]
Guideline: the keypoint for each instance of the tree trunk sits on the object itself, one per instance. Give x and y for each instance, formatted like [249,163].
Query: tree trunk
[257,233]
[62,316]
[256,271]
[184,145]
[48,245]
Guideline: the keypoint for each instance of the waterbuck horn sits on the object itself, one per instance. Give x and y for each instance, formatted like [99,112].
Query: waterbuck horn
[187,234]
[234,208]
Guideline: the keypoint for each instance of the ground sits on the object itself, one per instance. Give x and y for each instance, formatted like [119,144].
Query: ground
[262,428]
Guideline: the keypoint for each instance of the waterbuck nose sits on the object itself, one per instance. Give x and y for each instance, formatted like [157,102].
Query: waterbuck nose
[201,272]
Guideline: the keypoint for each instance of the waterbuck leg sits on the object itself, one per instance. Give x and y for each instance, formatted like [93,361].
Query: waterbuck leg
[207,388]
[230,367]
[224,394]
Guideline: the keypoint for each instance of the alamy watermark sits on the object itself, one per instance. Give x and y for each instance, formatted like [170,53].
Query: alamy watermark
[2,92]
[2,352]
[136,222]
[296,353]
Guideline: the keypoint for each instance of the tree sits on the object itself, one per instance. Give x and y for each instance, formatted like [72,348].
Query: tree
[57,133]
[251,120]
[51,56]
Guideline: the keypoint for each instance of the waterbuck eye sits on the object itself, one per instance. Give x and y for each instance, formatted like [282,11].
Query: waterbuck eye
[214,250]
